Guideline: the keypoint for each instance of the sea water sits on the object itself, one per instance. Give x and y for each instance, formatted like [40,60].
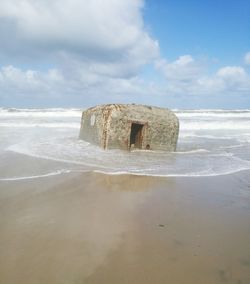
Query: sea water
[211,142]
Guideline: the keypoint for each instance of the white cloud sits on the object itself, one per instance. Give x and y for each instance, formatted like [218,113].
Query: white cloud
[109,31]
[15,77]
[185,68]
[95,47]
[53,87]
[80,23]
[247,58]
[187,76]
[93,51]
[17,82]
[232,72]
[235,79]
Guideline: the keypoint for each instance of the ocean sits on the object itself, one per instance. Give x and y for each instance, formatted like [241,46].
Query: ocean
[211,143]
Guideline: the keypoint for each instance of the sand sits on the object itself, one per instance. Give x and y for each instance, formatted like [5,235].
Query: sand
[95,228]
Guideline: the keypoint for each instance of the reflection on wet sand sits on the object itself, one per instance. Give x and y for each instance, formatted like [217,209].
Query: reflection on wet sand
[63,233]
[95,228]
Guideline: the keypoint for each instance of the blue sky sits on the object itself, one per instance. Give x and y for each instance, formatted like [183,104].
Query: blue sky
[177,54]
[215,28]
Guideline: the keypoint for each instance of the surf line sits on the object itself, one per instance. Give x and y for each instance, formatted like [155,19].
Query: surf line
[36,176]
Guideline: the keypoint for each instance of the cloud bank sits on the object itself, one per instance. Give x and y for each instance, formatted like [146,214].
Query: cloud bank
[188,75]
[107,37]
[93,46]
[79,52]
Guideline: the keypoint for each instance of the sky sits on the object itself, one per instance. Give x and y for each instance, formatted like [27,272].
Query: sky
[79,53]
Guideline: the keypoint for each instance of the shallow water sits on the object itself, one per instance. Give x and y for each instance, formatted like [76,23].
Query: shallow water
[211,142]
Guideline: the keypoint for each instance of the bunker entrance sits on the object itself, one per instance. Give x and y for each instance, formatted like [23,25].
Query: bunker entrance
[136,135]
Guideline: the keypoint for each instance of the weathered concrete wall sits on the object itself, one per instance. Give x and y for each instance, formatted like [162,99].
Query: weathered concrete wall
[109,126]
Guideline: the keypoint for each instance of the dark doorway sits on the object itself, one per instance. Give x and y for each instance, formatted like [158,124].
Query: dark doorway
[136,135]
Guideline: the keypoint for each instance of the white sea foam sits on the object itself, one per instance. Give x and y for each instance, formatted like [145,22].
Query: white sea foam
[190,175]
[39,114]
[193,151]
[213,115]
[59,172]
[41,124]
[211,142]
[188,135]
[198,162]
[211,110]
[44,110]
[231,147]
[215,125]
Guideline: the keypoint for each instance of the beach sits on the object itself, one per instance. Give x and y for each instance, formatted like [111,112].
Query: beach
[97,228]
[124,142]
[74,213]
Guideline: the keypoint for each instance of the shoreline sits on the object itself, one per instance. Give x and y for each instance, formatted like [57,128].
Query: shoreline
[11,160]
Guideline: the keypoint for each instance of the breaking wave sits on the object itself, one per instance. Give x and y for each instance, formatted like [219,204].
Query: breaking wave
[215,125]
[59,172]
[40,124]
[211,142]
[83,156]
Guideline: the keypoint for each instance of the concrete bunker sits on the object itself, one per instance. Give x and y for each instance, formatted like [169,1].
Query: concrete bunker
[129,126]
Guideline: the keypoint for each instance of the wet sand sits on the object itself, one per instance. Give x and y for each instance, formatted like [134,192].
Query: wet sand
[95,228]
